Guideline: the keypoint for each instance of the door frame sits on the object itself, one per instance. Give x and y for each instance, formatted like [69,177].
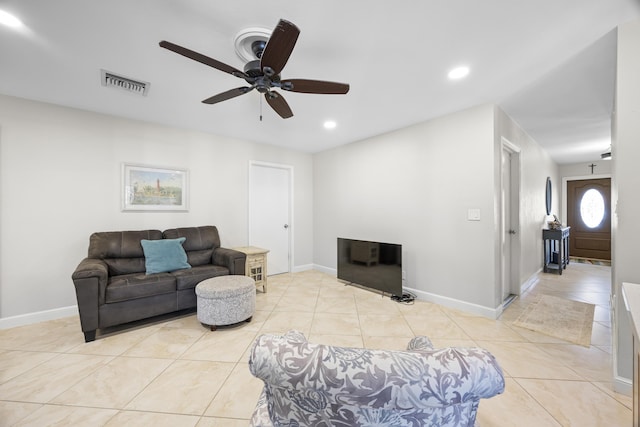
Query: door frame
[577,230]
[515,185]
[564,221]
[290,239]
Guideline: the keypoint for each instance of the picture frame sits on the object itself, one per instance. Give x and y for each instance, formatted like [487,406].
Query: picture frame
[154,188]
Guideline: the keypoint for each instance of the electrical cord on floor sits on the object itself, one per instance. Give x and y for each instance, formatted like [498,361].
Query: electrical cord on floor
[406,298]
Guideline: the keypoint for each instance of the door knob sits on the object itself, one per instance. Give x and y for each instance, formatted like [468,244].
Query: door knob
[512,231]
[286,226]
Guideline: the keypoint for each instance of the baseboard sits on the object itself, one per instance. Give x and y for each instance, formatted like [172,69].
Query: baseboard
[300,268]
[532,280]
[37,317]
[491,313]
[622,385]
[58,313]
[327,270]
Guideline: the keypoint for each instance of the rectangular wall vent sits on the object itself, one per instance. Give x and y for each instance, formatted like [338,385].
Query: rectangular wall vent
[130,85]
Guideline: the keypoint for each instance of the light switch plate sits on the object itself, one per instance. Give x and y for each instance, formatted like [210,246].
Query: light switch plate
[473,215]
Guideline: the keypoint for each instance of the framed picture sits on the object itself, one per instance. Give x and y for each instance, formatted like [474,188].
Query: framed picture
[150,188]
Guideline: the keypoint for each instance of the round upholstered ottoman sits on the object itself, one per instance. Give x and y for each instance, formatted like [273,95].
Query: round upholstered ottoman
[225,300]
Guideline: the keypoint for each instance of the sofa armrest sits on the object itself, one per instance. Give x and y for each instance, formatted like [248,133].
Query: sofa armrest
[233,260]
[91,267]
[90,281]
[260,417]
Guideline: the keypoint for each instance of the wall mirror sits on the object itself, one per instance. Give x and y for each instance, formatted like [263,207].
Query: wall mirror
[548,196]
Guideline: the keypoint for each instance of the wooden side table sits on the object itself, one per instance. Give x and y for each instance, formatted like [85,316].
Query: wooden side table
[256,265]
[555,255]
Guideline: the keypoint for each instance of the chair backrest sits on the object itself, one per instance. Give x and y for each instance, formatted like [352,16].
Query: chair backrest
[321,385]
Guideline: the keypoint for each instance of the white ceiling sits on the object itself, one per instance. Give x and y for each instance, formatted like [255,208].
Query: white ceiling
[549,64]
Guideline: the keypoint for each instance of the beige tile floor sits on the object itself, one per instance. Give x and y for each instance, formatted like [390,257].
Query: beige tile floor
[175,372]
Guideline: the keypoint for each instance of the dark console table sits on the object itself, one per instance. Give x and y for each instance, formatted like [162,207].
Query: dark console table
[555,249]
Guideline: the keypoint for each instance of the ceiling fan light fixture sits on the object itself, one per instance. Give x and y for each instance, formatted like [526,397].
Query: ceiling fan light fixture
[458,73]
[257,47]
[245,42]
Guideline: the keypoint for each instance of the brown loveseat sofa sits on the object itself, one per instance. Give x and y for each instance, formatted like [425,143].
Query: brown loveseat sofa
[113,287]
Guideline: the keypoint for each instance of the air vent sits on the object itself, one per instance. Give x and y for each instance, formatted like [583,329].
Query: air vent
[124,83]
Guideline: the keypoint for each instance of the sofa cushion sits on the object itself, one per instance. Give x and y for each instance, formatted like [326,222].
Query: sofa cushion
[139,285]
[121,250]
[120,244]
[200,243]
[164,255]
[188,279]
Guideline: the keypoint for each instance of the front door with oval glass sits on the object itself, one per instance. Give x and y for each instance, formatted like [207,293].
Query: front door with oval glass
[589,216]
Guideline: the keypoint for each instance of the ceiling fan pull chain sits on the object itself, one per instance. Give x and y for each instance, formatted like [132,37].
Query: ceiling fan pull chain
[260,108]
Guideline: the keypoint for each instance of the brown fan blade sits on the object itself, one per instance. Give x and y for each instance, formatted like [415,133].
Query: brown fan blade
[315,86]
[202,58]
[227,95]
[279,47]
[277,102]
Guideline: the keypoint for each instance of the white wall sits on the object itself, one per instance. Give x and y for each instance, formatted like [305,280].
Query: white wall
[535,167]
[603,167]
[414,186]
[625,184]
[60,180]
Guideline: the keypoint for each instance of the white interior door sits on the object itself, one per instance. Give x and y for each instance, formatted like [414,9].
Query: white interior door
[510,206]
[506,223]
[270,189]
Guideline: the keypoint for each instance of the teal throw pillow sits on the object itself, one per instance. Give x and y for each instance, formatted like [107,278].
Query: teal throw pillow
[164,255]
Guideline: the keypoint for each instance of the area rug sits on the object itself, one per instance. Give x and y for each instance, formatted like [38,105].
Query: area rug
[560,318]
[591,261]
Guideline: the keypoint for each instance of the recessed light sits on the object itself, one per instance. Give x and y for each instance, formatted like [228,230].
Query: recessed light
[458,73]
[330,124]
[9,20]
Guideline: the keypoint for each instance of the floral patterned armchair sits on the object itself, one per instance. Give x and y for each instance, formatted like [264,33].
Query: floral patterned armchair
[319,385]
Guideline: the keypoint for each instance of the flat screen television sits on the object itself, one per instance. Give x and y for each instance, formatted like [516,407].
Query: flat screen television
[374,265]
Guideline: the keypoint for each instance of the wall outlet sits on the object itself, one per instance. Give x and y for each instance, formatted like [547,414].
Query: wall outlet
[404,275]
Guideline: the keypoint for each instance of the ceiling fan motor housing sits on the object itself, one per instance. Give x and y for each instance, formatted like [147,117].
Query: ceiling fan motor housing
[252,68]
[258,47]
[260,78]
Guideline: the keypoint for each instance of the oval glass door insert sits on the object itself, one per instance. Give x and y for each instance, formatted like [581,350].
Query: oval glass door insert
[592,208]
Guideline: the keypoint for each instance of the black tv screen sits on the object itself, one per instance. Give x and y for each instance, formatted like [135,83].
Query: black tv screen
[374,265]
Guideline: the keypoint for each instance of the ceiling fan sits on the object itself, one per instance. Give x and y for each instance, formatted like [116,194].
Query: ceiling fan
[263,73]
